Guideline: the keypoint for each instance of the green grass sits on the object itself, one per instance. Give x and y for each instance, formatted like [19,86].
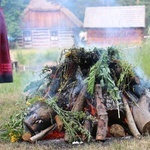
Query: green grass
[139,57]
[143,57]
[32,56]
[19,81]
[11,95]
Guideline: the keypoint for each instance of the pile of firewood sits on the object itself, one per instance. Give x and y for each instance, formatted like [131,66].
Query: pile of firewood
[88,94]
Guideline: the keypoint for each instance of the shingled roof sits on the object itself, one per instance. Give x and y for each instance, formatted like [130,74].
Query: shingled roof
[116,16]
[44,6]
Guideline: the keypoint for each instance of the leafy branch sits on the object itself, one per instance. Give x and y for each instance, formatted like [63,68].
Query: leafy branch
[71,120]
[14,129]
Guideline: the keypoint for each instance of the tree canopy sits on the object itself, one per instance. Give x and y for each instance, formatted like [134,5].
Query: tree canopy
[14,9]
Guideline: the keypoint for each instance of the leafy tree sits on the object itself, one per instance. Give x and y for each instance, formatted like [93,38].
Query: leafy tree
[147,4]
[12,11]
[127,2]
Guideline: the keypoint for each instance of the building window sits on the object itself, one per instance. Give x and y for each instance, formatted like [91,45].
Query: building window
[27,36]
[54,35]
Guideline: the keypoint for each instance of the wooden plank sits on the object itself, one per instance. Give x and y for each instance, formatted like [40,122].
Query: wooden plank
[40,40]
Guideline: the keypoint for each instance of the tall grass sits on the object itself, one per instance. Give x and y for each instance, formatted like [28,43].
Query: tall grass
[143,57]
[139,58]
[18,84]
[29,57]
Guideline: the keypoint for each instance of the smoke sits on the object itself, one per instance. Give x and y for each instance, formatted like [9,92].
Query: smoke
[130,55]
[144,80]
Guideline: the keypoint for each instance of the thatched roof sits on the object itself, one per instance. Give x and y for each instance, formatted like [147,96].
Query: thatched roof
[44,6]
[116,16]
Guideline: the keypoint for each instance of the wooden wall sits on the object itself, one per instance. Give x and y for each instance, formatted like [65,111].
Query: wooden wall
[43,38]
[115,36]
[39,25]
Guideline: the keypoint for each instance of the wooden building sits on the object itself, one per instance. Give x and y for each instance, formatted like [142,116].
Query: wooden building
[45,24]
[118,25]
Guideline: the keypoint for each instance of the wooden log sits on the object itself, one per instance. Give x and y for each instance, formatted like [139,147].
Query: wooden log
[130,120]
[117,130]
[42,133]
[59,123]
[134,80]
[141,114]
[26,136]
[67,137]
[78,106]
[87,126]
[39,117]
[102,114]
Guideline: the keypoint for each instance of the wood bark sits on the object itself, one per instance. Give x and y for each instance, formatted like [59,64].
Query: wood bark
[134,80]
[130,120]
[42,133]
[102,114]
[87,126]
[26,136]
[141,114]
[78,106]
[117,130]
[59,123]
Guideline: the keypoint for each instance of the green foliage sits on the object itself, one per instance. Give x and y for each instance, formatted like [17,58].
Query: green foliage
[13,129]
[101,71]
[71,121]
[143,57]
[13,11]
[32,57]
[19,82]
[92,77]
[127,71]
[20,57]
[127,2]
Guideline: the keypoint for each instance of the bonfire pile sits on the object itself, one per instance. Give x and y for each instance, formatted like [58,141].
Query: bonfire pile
[89,94]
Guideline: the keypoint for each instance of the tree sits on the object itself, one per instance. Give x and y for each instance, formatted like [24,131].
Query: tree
[12,11]
[147,4]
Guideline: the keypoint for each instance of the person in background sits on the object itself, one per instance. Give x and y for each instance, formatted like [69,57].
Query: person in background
[5,61]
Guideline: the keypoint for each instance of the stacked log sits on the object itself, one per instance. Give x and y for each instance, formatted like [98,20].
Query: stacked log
[101,114]
[65,82]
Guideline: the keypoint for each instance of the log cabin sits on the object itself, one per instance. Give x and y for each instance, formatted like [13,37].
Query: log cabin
[117,25]
[46,24]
